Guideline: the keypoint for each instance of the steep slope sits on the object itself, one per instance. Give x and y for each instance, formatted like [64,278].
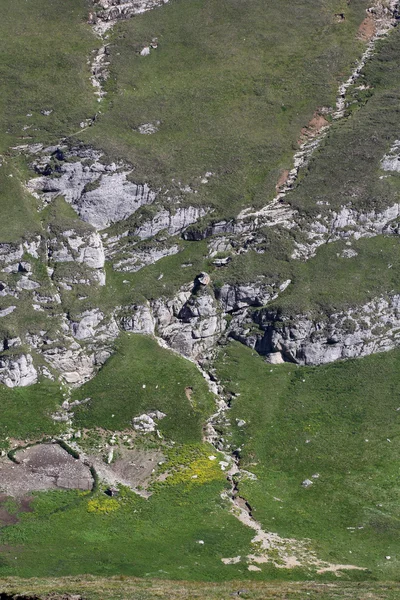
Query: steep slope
[197,172]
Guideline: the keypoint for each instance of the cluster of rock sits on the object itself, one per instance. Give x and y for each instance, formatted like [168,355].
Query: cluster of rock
[147,423]
[131,261]
[319,339]
[72,347]
[197,317]
[111,11]
[346,224]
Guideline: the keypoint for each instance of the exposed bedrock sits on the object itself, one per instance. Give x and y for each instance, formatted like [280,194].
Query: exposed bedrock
[190,324]
[100,193]
[17,370]
[314,340]
[111,11]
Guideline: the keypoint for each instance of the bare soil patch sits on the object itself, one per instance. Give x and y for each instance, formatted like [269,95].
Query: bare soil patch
[42,467]
[282,179]
[132,467]
[10,518]
[314,127]
[367,29]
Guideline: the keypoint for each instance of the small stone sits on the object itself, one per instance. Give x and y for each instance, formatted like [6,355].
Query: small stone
[275,358]
[203,278]
[307,483]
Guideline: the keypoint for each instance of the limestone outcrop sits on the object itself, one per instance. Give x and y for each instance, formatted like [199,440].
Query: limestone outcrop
[17,370]
[319,339]
[100,193]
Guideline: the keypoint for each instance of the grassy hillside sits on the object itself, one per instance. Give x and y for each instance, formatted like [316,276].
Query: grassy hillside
[339,422]
[44,49]
[346,170]
[230,89]
[26,412]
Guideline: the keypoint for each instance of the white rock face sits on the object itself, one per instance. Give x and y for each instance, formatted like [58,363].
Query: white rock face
[91,251]
[138,259]
[368,329]
[73,364]
[101,194]
[239,296]
[7,311]
[116,199]
[85,328]
[140,320]
[148,128]
[173,223]
[86,249]
[346,224]
[32,247]
[27,284]
[115,10]
[17,370]
[189,324]
[391,161]
[147,422]
[88,327]
[80,348]
[10,253]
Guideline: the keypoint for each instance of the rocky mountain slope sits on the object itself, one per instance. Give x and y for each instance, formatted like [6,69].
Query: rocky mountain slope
[200,188]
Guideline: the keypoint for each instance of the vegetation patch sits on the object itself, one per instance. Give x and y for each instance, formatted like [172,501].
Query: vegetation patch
[26,412]
[191,465]
[102,505]
[142,377]
[334,425]
[231,88]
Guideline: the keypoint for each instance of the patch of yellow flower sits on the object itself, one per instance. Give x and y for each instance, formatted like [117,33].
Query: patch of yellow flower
[103,505]
[202,470]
